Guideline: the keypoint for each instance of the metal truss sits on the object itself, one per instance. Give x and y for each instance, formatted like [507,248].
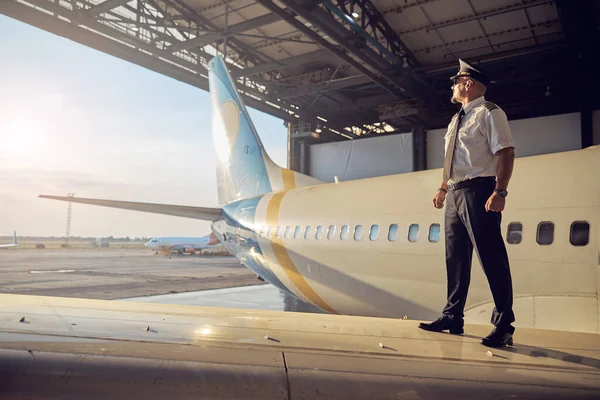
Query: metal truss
[172,39]
[374,67]
[149,28]
[366,22]
[360,49]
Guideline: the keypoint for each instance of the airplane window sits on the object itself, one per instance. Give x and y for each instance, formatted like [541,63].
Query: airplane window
[413,232]
[263,231]
[580,233]
[319,234]
[545,233]
[270,234]
[358,232]
[331,232]
[278,233]
[344,232]
[297,232]
[374,235]
[288,232]
[434,233]
[393,233]
[514,233]
[307,232]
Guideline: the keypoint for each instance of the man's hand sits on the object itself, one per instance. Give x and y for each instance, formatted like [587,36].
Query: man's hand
[439,198]
[495,203]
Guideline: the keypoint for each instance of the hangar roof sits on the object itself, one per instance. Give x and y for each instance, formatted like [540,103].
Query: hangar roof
[350,68]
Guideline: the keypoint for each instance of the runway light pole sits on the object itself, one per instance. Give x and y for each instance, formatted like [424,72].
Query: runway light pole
[68,220]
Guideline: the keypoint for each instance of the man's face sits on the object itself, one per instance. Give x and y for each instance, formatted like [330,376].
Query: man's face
[459,89]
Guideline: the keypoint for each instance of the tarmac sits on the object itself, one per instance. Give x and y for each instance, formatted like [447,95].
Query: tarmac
[109,274]
[140,276]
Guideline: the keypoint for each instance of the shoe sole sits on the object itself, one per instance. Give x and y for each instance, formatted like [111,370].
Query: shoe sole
[509,343]
[452,331]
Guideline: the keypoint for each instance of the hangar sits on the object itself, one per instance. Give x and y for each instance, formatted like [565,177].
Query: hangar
[362,84]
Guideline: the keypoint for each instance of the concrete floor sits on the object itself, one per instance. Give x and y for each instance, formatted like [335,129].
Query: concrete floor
[115,273]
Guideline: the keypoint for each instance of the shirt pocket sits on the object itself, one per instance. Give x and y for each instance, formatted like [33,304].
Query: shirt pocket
[471,135]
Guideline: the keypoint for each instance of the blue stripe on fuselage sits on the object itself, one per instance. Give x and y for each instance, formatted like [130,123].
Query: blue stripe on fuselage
[240,217]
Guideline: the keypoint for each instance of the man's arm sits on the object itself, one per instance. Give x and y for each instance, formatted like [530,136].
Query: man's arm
[506,161]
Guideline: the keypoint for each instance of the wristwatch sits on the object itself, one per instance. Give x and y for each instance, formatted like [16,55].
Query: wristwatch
[501,192]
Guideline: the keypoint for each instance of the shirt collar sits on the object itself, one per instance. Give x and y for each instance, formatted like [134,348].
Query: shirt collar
[472,104]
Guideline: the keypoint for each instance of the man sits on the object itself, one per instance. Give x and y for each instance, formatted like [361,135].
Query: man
[477,168]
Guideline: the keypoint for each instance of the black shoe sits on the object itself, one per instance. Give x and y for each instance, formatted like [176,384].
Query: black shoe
[498,338]
[443,323]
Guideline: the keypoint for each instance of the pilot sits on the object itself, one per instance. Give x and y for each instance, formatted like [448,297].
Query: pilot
[479,157]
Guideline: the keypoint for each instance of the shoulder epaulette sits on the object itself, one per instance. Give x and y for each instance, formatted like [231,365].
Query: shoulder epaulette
[489,105]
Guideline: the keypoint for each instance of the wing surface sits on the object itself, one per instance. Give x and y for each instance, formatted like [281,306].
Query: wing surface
[203,213]
[76,346]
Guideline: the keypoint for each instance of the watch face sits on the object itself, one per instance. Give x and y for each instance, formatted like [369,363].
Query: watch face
[502,192]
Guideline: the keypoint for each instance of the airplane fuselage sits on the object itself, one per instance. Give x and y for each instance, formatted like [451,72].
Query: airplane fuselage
[375,247]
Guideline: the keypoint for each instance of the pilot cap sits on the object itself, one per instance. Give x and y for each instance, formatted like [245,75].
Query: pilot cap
[466,69]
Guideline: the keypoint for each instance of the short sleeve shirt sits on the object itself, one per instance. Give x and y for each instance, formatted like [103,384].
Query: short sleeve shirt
[483,131]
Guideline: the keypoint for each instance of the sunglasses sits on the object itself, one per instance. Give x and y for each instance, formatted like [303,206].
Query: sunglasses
[457,80]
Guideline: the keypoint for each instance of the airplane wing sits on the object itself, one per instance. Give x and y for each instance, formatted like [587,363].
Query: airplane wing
[52,347]
[203,213]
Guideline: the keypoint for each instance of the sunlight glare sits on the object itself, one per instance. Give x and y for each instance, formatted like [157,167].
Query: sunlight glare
[22,139]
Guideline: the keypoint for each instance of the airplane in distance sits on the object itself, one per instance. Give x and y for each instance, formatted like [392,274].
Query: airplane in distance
[10,245]
[374,247]
[169,244]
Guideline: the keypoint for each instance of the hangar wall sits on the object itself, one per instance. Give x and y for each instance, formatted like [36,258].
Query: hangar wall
[532,136]
[355,159]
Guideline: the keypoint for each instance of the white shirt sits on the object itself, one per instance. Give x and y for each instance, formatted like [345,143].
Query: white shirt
[483,131]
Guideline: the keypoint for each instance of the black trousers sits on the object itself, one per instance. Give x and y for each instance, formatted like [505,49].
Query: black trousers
[468,225]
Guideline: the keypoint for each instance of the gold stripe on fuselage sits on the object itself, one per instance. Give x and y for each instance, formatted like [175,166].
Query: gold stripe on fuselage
[284,259]
[289,179]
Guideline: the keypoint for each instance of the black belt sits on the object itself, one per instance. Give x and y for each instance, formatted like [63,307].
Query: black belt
[472,182]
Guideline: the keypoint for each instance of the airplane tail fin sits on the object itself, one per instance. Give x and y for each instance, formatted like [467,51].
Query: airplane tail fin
[15,238]
[244,169]
[213,240]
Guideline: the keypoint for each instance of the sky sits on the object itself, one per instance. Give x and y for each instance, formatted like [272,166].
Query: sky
[76,120]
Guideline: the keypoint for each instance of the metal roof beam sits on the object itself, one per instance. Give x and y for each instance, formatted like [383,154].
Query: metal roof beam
[325,87]
[482,15]
[372,25]
[240,47]
[364,103]
[290,18]
[105,6]
[208,38]
[356,46]
[175,67]
[288,62]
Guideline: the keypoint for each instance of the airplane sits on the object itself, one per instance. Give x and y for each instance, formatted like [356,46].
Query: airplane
[373,247]
[369,247]
[181,244]
[10,245]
